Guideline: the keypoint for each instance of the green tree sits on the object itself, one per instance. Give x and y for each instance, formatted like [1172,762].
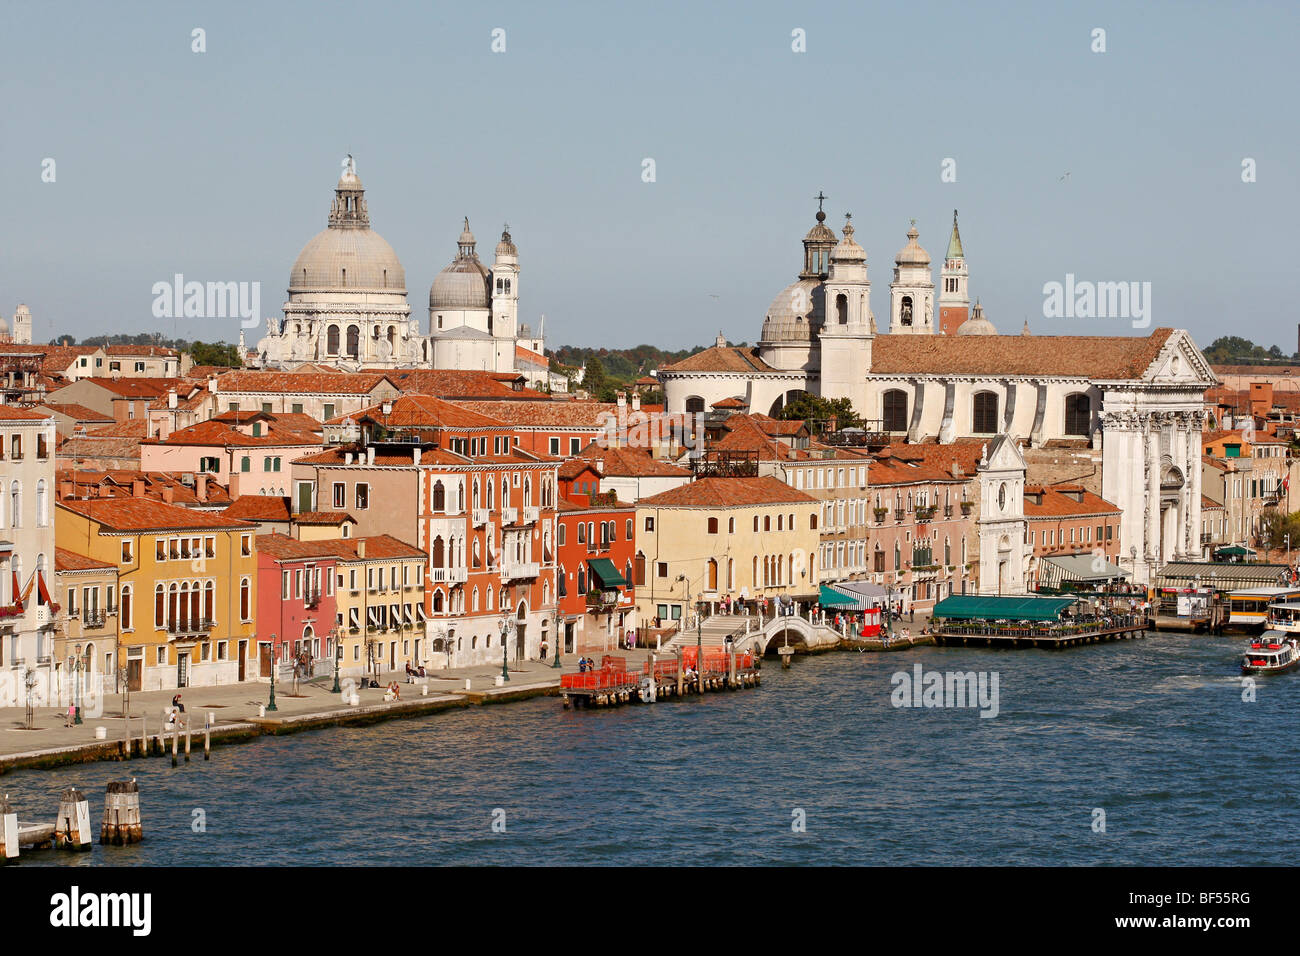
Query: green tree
[818,411]
[597,383]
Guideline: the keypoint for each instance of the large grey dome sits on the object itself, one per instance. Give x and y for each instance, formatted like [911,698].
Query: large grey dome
[347,259]
[348,255]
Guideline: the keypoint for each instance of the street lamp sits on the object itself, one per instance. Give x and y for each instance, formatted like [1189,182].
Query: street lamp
[559,641]
[77,669]
[505,660]
[274,662]
[699,654]
[338,660]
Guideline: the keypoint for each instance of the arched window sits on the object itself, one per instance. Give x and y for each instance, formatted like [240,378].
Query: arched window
[437,601]
[332,340]
[245,600]
[1078,414]
[124,612]
[209,602]
[895,410]
[439,497]
[159,607]
[984,413]
[475,493]
[16,505]
[694,404]
[437,553]
[842,309]
[42,504]
[354,341]
[582,580]
[713,574]
[474,604]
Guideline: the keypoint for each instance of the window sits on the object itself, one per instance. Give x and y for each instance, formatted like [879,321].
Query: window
[984,413]
[245,545]
[575,445]
[127,549]
[649,523]
[1078,414]
[555,447]
[661,569]
[16,447]
[339,496]
[245,463]
[297,408]
[363,495]
[713,526]
[731,526]
[327,410]
[895,410]
[245,600]
[284,585]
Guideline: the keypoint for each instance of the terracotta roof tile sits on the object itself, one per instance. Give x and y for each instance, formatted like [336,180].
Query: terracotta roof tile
[10,414]
[728,493]
[65,560]
[259,508]
[1084,356]
[630,463]
[724,358]
[1055,503]
[302,383]
[548,414]
[78,412]
[323,518]
[144,514]
[422,411]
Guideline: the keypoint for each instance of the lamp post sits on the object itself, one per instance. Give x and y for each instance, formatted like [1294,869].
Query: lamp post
[275,660]
[699,654]
[338,660]
[505,660]
[559,641]
[76,665]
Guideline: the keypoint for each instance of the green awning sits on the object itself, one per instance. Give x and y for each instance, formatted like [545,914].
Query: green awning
[1078,567]
[971,607]
[833,598]
[604,571]
[1234,550]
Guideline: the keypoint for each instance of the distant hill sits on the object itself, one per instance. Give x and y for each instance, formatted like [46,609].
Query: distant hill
[622,365]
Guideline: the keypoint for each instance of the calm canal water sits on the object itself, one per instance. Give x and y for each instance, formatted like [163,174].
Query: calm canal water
[1153,732]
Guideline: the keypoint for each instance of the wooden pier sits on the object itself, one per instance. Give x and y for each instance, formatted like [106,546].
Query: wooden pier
[612,684]
[1021,637]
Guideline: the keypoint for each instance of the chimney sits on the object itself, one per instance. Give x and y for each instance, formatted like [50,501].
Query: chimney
[361,547]
[956,468]
[622,401]
[831,423]
[636,401]
[171,398]
[65,488]
[212,384]
[370,455]
[168,494]
[137,487]
[347,458]
[416,454]
[201,487]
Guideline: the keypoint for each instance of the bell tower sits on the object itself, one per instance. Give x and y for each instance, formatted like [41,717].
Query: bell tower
[911,294]
[849,327]
[954,295]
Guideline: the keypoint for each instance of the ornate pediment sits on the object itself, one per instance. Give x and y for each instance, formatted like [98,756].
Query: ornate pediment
[1180,362]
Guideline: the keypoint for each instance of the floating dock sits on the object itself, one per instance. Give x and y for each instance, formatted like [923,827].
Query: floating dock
[612,683]
[1018,637]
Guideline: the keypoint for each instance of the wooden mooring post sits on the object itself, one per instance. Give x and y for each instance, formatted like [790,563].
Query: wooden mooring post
[72,828]
[121,824]
[187,740]
[207,742]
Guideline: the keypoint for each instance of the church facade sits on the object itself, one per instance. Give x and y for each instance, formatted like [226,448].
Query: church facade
[1136,399]
[347,303]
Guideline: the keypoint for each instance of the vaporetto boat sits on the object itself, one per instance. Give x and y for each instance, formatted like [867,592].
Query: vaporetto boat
[1272,653]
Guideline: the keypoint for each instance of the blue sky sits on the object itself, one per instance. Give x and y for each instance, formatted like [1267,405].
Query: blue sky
[221,165]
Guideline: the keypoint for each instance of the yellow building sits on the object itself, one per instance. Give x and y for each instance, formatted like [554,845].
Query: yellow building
[85,591]
[745,537]
[186,597]
[379,601]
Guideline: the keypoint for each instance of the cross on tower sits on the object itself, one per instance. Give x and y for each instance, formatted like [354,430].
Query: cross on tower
[820,199]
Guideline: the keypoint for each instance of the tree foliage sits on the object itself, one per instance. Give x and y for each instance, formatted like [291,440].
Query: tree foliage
[817,412]
[1229,349]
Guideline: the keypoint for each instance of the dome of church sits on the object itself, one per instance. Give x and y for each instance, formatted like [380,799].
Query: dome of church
[464,283]
[347,259]
[912,254]
[506,247]
[348,255]
[977,324]
[820,232]
[797,312]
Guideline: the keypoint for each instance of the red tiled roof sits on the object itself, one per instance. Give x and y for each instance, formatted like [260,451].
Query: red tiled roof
[284,548]
[144,514]
[728,493]
[259,508]
[137,387]
[461,383]
[422,411]
[79,412]
[1057,504]
[10,414]
[153,351]
[1208,502]
[547,414]
[732,402]
[65,560]
[301,383]
[1083,356]
[630,463]
[222,435]
[323,518]
[136,428]
[725,358]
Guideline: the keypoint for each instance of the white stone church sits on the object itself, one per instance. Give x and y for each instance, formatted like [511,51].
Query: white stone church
[1137,399]
[347,304]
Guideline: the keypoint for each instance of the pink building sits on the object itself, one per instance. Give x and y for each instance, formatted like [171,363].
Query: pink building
[252,456]
[295,596]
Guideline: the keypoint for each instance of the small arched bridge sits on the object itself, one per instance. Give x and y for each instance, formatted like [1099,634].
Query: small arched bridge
[759,635]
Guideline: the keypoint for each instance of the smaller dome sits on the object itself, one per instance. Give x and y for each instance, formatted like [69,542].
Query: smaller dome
[977,324]
[462,285]
[820,232]
[912,254]
[466,237]
[797,312]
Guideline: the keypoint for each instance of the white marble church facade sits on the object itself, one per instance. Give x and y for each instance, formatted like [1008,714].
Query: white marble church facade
[1137,399]
[347,303]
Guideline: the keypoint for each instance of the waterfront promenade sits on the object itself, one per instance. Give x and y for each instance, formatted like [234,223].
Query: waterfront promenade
[237,709]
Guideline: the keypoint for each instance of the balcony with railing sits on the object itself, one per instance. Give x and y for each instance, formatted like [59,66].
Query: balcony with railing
[509,515]
[311,600]
[480,517]
[449,575]
[603,600]
[514,570]
[530,514]
[91,619]
[195,628]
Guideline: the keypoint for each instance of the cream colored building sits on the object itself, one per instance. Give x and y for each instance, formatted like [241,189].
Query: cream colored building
[746,537]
